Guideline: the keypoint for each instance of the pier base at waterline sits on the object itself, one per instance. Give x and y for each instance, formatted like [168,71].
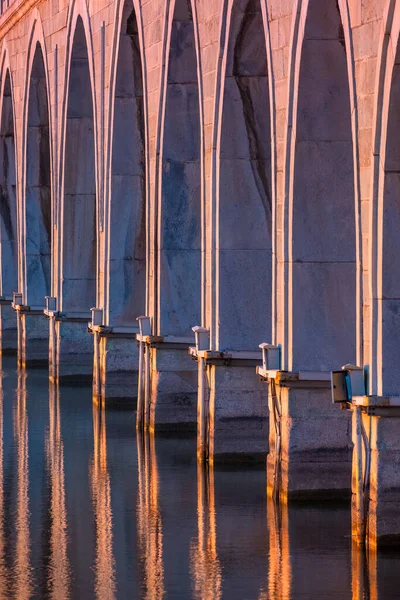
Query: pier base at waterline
[310,440]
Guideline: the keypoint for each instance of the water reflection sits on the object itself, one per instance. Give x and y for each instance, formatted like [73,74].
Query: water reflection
[3,565]
[280,574]
[59,568]
[22,569]
[149,522]
[204,562]
[90,510]
[104,567]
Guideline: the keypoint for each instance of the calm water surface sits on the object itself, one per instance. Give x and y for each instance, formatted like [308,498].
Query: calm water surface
[88,510]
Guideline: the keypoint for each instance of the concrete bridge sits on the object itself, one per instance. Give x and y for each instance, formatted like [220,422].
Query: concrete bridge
[232,165]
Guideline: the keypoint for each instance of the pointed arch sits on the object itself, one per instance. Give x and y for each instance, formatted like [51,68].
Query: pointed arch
[36,171]
[180,180]
[244,182]
[78,212]
[38,205]
[128,173]
[8,188]
[321,212]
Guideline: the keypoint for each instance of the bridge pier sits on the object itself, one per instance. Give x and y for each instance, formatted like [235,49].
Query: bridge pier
[232,414]
[70,348]
[310,441]
[376,473]
[32,334]
[8,327]
[115,363]
[167,385]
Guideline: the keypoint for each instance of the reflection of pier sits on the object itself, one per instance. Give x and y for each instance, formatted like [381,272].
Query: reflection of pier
[3,565]
[279,582]
[149,520]
[59,569]
[205,566]
[22,558]
[101,493]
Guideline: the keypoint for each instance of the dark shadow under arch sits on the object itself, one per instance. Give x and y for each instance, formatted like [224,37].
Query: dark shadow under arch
[79,214]
[324,237]
[180,221]
[38,187]
[127,282]
[245,251]
[8,199]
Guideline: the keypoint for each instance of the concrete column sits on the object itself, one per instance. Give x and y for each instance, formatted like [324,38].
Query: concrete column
[232,407]
[115,366]
[167,384]
[70,348]
[32,334]
[8,328]
[310,440]
[376,472]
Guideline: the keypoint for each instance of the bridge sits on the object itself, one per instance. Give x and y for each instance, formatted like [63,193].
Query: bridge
[184,181]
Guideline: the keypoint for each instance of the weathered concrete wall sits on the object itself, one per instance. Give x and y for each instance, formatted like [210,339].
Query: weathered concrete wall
[205,167]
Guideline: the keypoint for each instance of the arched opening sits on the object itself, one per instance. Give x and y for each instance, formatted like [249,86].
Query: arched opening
[245,255]
[38,187]
[127,281]
[79,210]
[323,268]
[389,294]
[180,216]
[8,200]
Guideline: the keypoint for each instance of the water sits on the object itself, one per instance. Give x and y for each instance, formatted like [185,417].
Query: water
[88,510]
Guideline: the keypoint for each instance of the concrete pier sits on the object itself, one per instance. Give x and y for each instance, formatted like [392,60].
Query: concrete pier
[32,334]
[232,412]
[70,347]
[8,328]
[376,473]
[115,365]
[167,383]
[309,439]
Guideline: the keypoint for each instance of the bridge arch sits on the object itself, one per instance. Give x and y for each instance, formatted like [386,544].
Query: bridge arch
[36,171]
[79,183]
[244,181]
[128,172]
[179,190]
[9,245]
[322,222]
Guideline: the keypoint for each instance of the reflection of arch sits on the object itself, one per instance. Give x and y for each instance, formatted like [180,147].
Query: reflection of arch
[204,562]
[78,211]
[180,179]
[322,206]
[104,567]
[126,287]
[244,183]
[38,227]
[150,535]
[8,190]
[59,569]
[385,215]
